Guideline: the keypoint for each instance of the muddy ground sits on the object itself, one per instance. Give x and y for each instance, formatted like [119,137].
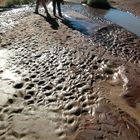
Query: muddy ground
[57,83]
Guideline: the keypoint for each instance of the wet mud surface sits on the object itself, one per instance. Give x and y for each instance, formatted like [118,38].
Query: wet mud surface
[118,42]
[9,19]
[59,84]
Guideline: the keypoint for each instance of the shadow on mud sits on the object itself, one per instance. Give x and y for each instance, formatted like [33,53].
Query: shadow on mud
[52,21]
[86,27]
[76,25]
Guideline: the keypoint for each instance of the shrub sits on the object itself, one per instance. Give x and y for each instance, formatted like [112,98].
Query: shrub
[98,3]
[9,3]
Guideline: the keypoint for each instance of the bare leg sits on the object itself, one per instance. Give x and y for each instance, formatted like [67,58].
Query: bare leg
[54,7]
[59,8]
[37,6]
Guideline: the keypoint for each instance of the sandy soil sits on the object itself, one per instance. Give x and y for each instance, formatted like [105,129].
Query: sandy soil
[59,84]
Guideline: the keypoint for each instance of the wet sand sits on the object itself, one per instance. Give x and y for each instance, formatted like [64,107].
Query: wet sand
[66,86]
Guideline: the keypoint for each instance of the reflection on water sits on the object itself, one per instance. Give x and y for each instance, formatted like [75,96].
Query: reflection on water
[84,26]
[124,19]
[89,12]
[75,20]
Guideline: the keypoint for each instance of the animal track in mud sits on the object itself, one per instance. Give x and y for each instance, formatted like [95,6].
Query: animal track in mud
[61,80]
[18,85]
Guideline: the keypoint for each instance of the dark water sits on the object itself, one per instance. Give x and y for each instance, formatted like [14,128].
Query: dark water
[123,19]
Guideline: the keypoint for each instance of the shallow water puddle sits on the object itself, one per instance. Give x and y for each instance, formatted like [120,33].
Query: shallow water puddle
[73,18]
[123,19]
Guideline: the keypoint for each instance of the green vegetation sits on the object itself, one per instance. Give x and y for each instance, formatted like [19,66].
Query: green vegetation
[1,2]
[98,3]
[13,3]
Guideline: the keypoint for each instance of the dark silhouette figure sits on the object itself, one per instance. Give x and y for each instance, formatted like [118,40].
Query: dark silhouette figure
[43,2]
[58,3]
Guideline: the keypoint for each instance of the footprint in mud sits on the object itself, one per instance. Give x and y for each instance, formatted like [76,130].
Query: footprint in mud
[29,85]
[18,85]
[59,87]
[61,134]
[75,111]
[10,101]
[47,87]
[61,80]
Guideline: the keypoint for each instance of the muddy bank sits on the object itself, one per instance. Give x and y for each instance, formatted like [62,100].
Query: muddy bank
[62,80]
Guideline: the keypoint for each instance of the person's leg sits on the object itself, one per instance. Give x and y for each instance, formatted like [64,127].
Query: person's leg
[45,7]
[37,6]
[54,7]
[59,8]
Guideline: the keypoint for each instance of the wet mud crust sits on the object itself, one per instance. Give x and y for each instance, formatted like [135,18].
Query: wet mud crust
[118,42]
[57,97]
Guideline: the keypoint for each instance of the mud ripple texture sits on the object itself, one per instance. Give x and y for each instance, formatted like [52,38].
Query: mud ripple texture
[56,97]
[118,41]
